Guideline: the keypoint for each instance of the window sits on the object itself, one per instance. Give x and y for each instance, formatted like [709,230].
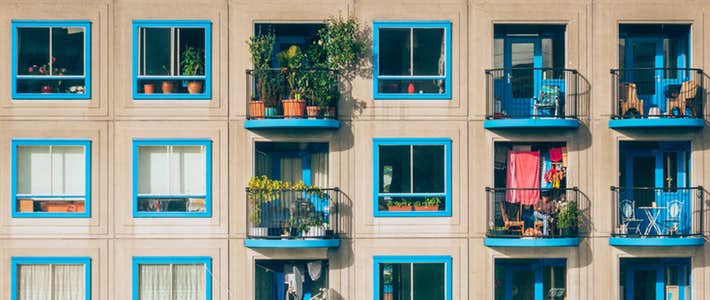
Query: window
[412,277]
[523,279]
[172,59]
[412,177]
[51,178]
[172,278]
[51,278]
[412,60]
[50,60]
[172,178]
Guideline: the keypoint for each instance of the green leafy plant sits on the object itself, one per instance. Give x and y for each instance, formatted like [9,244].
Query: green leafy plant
[568,217]
[292,64]
[401,203]
[263,190]
[343,42]
[432,201]
[261,48]
[193,61]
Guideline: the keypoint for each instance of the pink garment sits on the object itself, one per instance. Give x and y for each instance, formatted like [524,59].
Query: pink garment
[556,154]
[523,173]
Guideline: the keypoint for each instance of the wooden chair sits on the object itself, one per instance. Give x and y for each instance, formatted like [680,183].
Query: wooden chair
[628,99]
[687,91]
[512,225]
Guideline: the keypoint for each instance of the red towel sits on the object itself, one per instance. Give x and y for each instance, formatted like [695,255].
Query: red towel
[556,154]
[523,173]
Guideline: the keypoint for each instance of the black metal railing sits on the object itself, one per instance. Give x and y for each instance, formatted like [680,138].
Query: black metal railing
[293,214]
[657,93]
[655,212]
[512,212]
[316,87]
[524,93]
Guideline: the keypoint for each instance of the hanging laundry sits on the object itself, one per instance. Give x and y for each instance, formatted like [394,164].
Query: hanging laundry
[556,154]
[523,178]
[314,269]
[564,157]
[545,167]
[554,177]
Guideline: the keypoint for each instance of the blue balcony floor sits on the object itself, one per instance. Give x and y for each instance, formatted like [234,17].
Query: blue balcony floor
[656,241]
[657,123]
[531,242]
[292,243]
[530,123]
[292,123]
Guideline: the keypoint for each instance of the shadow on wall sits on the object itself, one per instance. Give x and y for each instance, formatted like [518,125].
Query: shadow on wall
[362,70]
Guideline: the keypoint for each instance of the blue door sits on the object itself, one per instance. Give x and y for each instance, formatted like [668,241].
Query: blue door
[531,279]
[523,76]
[655,279]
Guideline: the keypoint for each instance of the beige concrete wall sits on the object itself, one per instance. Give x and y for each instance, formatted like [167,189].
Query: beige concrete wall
[111,119]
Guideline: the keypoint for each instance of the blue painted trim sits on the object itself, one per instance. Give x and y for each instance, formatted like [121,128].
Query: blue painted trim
[168,260]
[377,142]
[86,24]
[267,243]
[291,123]
[52,142]
[531,242]
[530,123]
[207,143]
[657,241]
[45,260]
[446,25]
[207,87]
[660,122]
[377,260]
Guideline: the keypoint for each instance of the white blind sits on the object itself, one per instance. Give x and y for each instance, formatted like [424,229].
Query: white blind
[172,282]
[319,169]
[171,170]
[51,170]
[56,282]
[291,169]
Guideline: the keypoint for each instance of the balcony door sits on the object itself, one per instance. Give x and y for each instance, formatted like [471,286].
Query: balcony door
[522,63]
[654,279]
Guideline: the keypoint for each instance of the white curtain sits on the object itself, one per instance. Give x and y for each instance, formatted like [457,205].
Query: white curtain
[171,170]
[263,164]
[291,169]
[189,282]
[154,282]
[56,282]
[172,282]
[51,170]
[319,169]
[69,282]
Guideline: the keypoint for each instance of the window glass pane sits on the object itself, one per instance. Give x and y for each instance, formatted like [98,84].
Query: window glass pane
[411,86]
[395,281]
[394,51]
[429,281]
[670,170]
[34,282]
[429,51]
[190,163]
[394,169]
[429,170]
[69,282]
[498,50]
[155,54]
[154,170]
[554,283]
[68,51]
[189,282]
[191,37]
[68,170]
[32,49]
[33,164]
[154,282]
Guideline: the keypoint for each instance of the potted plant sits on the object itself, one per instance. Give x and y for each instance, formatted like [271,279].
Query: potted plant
[262,191]
[568,218]
[193,64]
[429,204]
[46,86]
[167,86]
[402,205]
[291,61]
[260,48]
[148,88]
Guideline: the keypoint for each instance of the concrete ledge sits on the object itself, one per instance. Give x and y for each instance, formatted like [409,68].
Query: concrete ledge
[266,243]
[291,123]
[531,242]
[530,123]
[656,241]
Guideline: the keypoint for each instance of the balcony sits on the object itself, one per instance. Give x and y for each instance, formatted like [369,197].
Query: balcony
[292,218]
[657,98]
[531,98]
[657,216]
[516,224]
[309,96]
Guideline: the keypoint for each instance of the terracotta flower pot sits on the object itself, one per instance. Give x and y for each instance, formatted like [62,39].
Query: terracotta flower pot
[194,87]
[312,111]
[426,208]
[168,87]
[46,89]
[399,208]
[294,108]
[148,88]
[256,110]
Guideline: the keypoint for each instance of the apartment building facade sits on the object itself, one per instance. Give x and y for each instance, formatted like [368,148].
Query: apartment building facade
[482,150]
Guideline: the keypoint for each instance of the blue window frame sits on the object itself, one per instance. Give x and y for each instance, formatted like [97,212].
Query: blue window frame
[534,279]
[51,178]
[169,271]
[655,278]
[160,48]
[51,60]
[412,277]
[44,270]
[412,60]
[412,177]
[172,178]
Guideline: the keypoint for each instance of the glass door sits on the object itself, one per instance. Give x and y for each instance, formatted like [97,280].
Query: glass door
[652,279]
[522,61]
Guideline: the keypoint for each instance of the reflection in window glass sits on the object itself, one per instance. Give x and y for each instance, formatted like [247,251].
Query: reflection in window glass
[412,281]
